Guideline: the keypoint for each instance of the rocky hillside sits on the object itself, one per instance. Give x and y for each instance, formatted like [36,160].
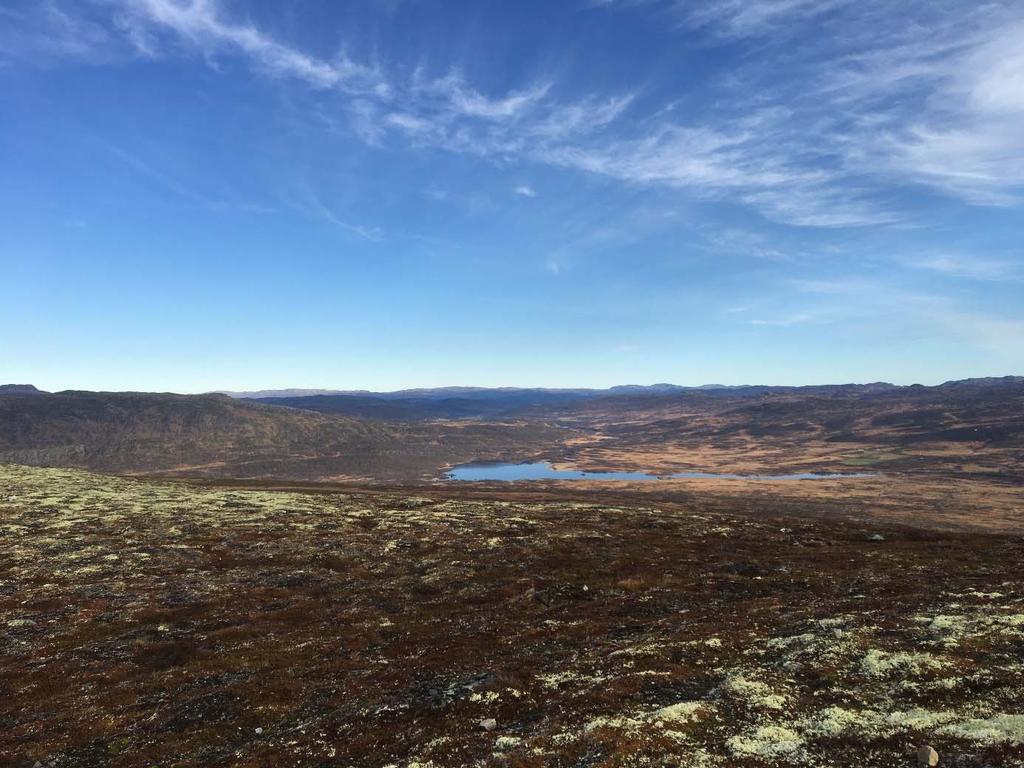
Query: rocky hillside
[216,435]
[974,426]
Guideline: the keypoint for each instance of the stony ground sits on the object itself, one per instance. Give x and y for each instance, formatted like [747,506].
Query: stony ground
[153,624]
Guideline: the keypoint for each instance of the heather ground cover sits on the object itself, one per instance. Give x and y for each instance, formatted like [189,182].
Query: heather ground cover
[156,623]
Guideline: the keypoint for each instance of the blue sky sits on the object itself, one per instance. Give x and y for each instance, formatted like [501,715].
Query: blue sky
[383,194]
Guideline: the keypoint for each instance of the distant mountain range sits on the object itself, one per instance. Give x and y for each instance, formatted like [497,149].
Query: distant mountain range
[494,393]
[277,393]
[20,389]
[463,392]
[510,402]
[424,404]
[551,393]
[415,433]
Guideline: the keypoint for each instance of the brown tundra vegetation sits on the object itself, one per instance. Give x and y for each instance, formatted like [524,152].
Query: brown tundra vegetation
[159,623]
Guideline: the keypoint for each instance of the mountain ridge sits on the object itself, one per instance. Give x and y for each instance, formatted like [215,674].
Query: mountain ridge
[212,434]
[667,387]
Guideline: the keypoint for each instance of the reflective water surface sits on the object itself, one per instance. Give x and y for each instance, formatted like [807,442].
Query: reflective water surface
[542,470]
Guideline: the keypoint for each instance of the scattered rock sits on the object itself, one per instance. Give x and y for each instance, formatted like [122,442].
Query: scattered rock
[926,756]
[259,731]
[876,537]
[489,724]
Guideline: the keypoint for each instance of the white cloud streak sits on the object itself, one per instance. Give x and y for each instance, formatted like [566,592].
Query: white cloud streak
[970,267]
[44,33]
[198,22]
[930,95]
[930,316]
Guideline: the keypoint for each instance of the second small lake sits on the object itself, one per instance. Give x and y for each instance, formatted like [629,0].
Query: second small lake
[542,470]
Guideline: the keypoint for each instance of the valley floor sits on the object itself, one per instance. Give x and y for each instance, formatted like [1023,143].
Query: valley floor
[152,623]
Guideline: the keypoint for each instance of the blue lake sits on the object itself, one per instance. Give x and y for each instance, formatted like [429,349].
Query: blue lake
[542,470]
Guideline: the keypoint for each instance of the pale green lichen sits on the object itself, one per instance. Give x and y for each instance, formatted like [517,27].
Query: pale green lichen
[793,642]
[873,691]
[837,721]
[752,692]
[618,722]
[682,712]
[768,741]
[918,719]
[555,680]
[877,663]
[671,717]
[504,743]
[646,649]
[869,724]
[997,729]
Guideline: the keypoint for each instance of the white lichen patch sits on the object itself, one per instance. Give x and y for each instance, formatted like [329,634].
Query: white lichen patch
[834,722]
[878,663]
[948,629]
[793,643]
[990,731]
[617,722]
[917,720]
[951,629]
[768,742]
[672,717]
[554,680]
[752,692]
[647,649]
[682,712]
[829,642]
[503,743]
[867,725]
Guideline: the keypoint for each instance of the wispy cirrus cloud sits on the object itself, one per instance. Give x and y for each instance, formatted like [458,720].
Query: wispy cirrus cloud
[970,267]
[749,18]
[928,96]
[44,33]
[730,159]
[732,18]
[942,100]
[797,318]
[199,23]
[888,304]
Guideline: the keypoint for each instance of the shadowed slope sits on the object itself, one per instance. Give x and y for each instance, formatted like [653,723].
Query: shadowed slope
[213,434]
